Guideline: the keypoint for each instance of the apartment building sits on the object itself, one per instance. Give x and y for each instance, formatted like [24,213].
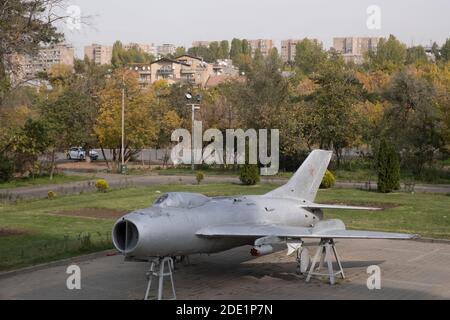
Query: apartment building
[144,73]
[194,70]
[288,50]
[45,59]
[264,45]
[185,68]
[354,48]
[166,49]
[147,48]
[99,54]
[225,67]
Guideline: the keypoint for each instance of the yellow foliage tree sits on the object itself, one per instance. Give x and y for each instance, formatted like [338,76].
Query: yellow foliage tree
[141,127]
[170,122]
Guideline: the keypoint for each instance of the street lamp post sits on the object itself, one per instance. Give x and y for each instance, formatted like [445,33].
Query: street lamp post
[123,124]
[194,106]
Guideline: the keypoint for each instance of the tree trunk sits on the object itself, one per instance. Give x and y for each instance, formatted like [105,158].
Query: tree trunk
[338,157]
[87,155]
[106,159]
[52,169]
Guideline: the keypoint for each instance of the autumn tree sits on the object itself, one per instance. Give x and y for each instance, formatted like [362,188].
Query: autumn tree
[413,119]
[169,122]
[68,117]
[334,107]
[214,51]
[224,49]
[241,54]
[439,76]
[416,55]
[435,51]
[235,50]
[179,51]
[389,55]
[201,52]
[27,144]
[25,26]
[309,56]
[264,93]
[141,129]
[445,51]
[121,57]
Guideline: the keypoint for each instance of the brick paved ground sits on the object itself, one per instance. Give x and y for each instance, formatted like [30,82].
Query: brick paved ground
[410,270]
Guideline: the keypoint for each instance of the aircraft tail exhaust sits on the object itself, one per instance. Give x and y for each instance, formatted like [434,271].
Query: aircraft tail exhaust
[305,183]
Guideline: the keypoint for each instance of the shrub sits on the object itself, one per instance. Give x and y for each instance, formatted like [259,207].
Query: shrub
[388,168]
[6,169]
[249,174]
[328,180]
[200,176]
[51,195]
[102,185]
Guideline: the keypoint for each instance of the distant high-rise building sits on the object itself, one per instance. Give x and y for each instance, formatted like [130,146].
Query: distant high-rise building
[288,49]
[264,45]
[201,43]
[45,59]
[166,49]
[99,54]
[147,48]
[354,48]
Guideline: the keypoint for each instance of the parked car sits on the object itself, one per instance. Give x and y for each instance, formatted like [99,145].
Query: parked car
[78,153]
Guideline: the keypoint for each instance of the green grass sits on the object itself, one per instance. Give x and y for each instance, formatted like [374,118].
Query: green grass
[422,213]
[42,180]
[445,162]
[50,237]
[429,176]
[353,174]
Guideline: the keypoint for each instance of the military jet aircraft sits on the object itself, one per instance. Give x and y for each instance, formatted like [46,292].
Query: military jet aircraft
[181,224]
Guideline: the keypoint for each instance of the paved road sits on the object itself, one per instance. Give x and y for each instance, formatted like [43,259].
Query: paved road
[120,181]
[114,180]
[410,270]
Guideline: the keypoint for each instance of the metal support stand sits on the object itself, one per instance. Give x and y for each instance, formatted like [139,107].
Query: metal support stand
[326,250]
[156,271]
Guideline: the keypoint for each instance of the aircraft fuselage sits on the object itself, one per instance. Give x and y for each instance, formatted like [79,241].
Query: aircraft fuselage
[171,231]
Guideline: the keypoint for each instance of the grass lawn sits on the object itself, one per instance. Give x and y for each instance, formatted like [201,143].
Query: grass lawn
[42,236]
[353,174]
[45,180]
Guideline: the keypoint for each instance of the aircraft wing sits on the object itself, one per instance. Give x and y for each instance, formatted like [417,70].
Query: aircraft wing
[335,206]
[323,229]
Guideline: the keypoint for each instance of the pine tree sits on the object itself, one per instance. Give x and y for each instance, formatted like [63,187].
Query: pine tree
[388,167]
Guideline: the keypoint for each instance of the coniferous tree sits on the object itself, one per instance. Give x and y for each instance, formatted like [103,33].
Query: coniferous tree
[388,167]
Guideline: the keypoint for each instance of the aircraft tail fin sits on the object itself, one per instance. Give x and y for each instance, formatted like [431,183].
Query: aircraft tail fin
[305,183]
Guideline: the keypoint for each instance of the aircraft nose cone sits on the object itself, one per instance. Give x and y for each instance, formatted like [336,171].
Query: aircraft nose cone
[125,236]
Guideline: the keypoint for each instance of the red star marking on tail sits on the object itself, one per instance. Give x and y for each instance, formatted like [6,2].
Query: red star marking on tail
[311,171]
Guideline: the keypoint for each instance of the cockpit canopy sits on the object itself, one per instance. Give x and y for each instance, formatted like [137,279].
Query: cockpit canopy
[181,200]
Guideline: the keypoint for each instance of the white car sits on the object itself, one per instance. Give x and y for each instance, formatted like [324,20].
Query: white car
[79,153]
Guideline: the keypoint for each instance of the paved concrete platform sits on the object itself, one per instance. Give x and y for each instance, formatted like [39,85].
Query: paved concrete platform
[410,270]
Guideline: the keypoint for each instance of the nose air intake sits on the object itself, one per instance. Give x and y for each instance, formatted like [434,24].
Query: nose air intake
[125,236]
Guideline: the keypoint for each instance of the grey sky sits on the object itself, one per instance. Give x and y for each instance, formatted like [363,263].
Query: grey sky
[181,22]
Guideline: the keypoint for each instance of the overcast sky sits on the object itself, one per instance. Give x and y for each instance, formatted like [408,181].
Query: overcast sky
[181,22]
